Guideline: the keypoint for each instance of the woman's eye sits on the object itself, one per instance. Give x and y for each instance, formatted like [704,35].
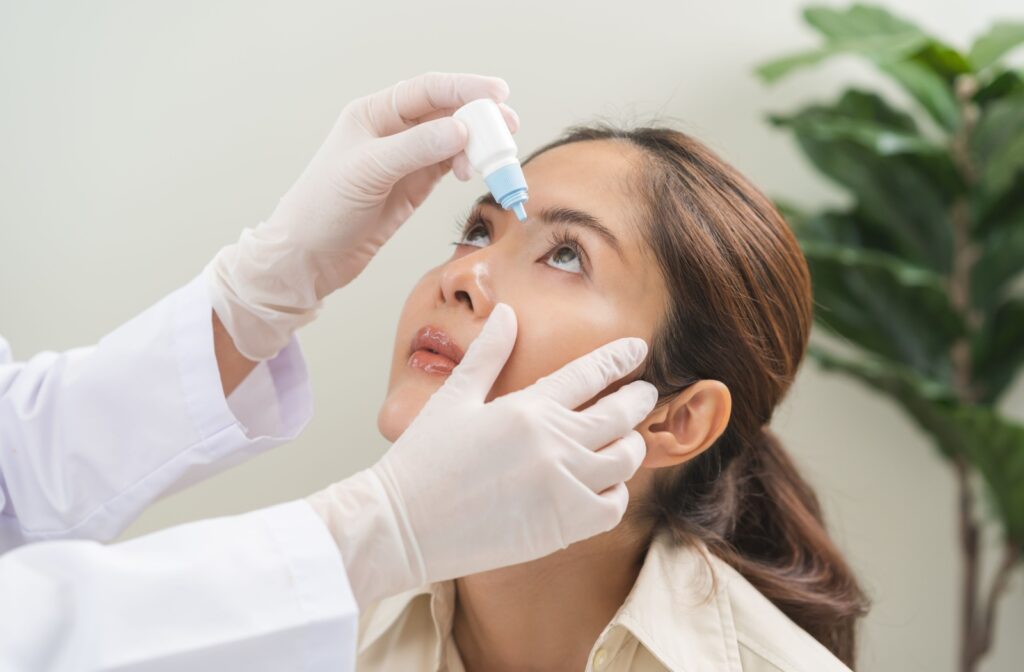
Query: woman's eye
[566,253]
[565,258]
[477,236]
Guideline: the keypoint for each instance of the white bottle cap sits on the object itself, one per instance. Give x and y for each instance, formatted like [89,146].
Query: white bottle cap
[492,153]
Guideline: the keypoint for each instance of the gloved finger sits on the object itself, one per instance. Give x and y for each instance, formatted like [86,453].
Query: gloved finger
[460,162]
[485,357]
[426,144]
[615,414]
[609,509]
[613,464]
[397,107]
[416,186]
[616,500]
[583,378]
[510,115]
[461,167]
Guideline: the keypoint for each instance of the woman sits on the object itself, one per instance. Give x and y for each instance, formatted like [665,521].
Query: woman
[722,562]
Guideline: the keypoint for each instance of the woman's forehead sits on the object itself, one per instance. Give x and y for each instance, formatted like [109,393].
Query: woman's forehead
[590,165]
[598,177]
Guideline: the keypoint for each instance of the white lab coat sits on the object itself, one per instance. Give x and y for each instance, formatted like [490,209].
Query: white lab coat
[88,438]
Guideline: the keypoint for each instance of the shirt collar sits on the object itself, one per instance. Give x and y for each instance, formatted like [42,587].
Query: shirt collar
[374,623]
[678,609]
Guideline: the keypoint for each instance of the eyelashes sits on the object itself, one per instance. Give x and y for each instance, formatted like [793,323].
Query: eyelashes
[565,238]
[462,224]
[559,237]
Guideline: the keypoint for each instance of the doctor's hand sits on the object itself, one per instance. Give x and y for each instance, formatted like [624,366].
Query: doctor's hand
[382,158]
[472,486]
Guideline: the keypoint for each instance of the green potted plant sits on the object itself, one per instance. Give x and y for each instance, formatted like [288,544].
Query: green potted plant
[922,271]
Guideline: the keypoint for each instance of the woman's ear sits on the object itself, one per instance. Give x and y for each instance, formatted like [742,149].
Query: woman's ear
[687,425]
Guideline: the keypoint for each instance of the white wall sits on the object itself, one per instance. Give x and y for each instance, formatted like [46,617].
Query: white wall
[136,138]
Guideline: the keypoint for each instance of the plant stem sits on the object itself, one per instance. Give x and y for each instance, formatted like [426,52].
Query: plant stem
[977,616]
[969,587]
[1011,552]
[963,258]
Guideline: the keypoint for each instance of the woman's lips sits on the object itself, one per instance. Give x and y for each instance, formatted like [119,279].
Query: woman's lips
[434,352]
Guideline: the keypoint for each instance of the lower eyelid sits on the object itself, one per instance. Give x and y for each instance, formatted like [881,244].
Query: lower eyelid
[554,244]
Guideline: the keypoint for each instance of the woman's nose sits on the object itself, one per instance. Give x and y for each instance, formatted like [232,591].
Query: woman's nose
[469,281]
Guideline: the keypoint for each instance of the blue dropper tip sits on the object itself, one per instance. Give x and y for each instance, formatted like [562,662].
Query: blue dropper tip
[520,211]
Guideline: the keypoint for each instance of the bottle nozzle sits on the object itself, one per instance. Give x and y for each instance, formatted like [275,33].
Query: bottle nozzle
[508,186]
[520,211]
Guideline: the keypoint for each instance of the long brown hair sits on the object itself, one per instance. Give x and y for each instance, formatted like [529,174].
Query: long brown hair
[740,312]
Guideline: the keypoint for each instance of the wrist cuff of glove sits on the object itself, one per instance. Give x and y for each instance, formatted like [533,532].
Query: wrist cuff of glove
[380,555]
[258,296]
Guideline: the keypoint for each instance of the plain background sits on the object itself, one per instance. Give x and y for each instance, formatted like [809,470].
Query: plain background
[136,138]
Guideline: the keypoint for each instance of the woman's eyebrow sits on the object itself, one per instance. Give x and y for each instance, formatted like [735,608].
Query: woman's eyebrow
[570,216]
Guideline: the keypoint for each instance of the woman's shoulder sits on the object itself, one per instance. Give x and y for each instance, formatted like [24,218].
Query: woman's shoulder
[692,610]
[766,638]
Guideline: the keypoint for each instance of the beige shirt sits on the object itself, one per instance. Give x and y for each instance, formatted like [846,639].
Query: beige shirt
[671,620]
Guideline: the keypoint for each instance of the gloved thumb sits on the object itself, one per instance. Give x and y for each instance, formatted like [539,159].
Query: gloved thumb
[423,145]
[485,358]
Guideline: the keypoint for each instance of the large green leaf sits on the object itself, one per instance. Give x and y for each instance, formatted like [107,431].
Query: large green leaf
[1001,260]
[848,228]
[824,124]
[997,147]
[926,401]
[884,305]
[993,444]
[997,350]
[857,20]
[925,67]
[839,228]
[901,181]
[943,60]
[870,107]
[861,30]
[933,92]
[1004,83]
[989,216]
[884,48]
[889,191]
[991,46]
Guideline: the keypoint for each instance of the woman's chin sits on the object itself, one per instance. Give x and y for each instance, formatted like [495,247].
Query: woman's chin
[388,425]
[396,414]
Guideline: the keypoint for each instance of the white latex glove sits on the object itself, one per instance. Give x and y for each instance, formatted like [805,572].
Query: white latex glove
[379,162]
[472,486]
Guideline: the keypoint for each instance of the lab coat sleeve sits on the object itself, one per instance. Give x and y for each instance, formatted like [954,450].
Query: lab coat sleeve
[261,591]
[91,436]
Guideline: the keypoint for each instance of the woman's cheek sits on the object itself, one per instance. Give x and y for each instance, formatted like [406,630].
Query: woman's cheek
[547,340]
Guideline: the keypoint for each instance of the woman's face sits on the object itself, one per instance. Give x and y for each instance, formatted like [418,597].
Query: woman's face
[577,273]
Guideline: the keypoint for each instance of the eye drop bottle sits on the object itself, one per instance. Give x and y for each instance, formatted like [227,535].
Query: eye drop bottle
[492,153]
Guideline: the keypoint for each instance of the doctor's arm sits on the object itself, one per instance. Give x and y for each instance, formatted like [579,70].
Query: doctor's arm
[91,436]
[264,591]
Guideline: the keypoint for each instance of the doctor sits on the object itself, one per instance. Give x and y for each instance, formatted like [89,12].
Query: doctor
[212,374]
